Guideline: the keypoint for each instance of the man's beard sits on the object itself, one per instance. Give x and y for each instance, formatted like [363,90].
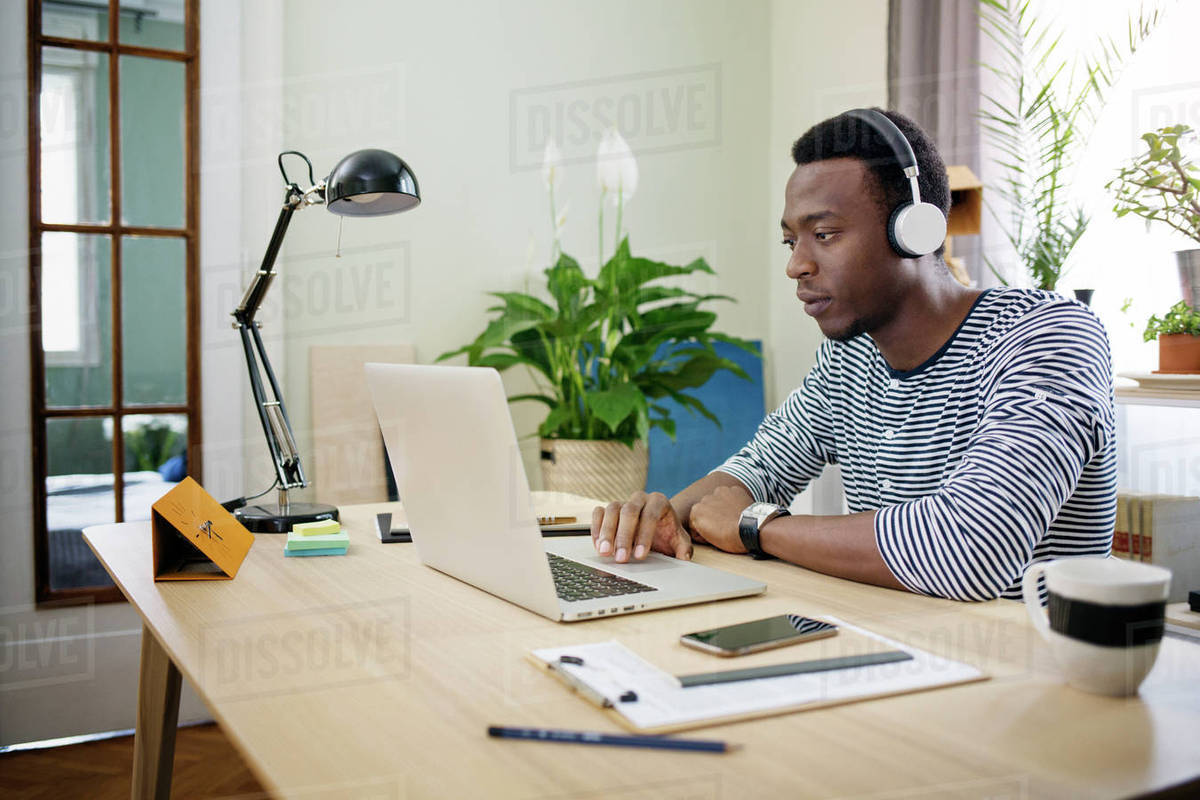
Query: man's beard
[860,326]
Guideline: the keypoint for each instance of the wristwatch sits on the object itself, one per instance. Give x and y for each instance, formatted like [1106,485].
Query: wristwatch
[753,518]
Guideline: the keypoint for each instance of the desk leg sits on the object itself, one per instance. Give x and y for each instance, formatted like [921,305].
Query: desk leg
[157,718]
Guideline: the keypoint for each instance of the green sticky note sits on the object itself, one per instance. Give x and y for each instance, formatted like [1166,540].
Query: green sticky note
[321,528]
[321,551]
[298,542]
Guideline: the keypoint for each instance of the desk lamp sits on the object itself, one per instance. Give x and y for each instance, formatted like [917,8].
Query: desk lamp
[366,183]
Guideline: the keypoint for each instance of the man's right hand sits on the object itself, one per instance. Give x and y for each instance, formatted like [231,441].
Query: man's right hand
[646,522]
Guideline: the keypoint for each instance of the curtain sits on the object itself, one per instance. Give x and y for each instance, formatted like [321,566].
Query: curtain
[933,78]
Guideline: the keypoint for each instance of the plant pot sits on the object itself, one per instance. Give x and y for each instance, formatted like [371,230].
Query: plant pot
[1178,354]
[1084,296]
[1188,262]
[602,470]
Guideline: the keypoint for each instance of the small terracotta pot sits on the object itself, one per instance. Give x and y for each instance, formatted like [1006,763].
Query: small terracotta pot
[1178,354]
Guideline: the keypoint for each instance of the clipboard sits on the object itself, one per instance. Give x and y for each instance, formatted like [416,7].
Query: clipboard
[644,698]
[194,538]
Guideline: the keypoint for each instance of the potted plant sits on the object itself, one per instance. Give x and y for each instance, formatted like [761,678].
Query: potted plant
[1178,334]
[1038,122]
[1163,185]
[605,350]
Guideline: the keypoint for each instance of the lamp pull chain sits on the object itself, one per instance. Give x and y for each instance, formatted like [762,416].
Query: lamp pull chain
[338,253]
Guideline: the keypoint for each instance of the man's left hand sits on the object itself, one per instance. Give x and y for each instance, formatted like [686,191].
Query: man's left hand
[716,516]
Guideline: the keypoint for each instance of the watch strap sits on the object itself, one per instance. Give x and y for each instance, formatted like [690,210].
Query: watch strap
[749,531]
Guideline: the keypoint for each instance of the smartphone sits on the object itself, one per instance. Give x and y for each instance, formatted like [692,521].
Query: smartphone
[761,634]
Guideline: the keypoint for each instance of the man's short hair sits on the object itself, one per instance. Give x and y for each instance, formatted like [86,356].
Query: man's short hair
[845,136]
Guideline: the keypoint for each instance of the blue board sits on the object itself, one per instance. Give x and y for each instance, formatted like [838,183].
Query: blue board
[700,445]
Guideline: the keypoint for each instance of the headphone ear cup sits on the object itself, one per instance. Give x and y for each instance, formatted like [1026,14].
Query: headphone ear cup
[916,229]
[891,232]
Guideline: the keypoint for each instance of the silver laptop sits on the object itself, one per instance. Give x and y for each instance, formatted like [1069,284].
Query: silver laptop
[460,476]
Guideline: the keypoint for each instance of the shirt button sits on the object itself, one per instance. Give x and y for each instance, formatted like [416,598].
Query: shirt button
[893,383]
[885,484]
[889,434]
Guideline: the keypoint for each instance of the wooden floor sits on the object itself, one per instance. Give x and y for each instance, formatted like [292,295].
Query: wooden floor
[206,766]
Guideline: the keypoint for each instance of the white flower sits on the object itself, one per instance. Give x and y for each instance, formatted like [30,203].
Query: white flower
[552,165]
[616,168]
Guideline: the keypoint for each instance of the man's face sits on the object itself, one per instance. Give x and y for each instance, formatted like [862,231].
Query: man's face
[846,273]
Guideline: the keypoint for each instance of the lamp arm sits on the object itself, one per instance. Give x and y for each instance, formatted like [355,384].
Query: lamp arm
[257,289]
[271,411]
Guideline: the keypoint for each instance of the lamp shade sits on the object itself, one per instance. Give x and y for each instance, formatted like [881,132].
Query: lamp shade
[370,183]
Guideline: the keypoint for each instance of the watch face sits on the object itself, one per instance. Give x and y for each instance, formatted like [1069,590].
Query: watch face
[761,509]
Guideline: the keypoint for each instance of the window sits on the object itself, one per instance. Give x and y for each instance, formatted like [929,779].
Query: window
[1124,259]
[1131,266]
[114,304]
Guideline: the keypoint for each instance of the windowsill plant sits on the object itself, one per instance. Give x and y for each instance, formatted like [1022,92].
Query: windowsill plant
[1163,185]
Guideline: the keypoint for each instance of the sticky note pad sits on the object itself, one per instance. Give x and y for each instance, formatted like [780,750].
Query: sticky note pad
[297,542]
[319,528]
[320,551]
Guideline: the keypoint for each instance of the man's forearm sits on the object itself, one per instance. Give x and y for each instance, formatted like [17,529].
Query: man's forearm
[843,546]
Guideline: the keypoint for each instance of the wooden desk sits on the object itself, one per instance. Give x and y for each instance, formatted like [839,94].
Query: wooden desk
[371,675]
[1182,615]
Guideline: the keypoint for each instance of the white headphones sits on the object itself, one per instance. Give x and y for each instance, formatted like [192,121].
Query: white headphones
[915,229]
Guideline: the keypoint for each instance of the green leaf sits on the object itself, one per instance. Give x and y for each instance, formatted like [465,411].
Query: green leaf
[499,361]
[614,405]
[541,398]
[566,282]
[554,421]
[516,303]
[666,424]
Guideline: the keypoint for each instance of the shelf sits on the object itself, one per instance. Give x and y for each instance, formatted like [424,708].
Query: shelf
[1135,395]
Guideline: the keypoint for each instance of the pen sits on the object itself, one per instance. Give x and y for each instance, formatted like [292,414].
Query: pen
[576,684]
[617,740]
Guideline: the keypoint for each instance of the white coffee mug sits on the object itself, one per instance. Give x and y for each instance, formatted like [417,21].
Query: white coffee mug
[1105,619]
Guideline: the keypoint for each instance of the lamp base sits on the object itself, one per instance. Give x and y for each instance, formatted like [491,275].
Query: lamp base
[269,518]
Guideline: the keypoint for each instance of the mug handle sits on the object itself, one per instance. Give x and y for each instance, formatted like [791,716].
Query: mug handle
[1033,603]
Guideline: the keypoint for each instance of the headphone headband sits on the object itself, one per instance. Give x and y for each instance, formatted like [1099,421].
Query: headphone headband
[895,138]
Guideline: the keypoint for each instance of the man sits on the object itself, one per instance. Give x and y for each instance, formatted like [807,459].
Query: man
[974,429]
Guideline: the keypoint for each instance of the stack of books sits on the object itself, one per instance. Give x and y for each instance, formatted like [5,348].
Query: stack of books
[324,538]
[1161,529]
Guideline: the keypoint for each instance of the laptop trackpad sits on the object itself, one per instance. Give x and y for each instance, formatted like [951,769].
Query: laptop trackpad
[582,550]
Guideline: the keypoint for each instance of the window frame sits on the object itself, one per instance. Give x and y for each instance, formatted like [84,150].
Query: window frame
[116,230]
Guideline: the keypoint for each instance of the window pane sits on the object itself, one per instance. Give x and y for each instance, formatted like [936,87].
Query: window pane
[79,493]
[155,459]
[68,22]
[77,319]
[154,320]
[152,176]
[74,136]
[158,24]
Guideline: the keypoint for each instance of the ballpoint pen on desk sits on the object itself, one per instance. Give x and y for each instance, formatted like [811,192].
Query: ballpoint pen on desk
[615,740]
[575,684]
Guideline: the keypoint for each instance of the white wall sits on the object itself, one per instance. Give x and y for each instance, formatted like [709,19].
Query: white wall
[438,84]
[820,66]
[455,86]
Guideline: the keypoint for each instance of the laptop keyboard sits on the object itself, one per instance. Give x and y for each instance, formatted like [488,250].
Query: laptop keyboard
[575,581]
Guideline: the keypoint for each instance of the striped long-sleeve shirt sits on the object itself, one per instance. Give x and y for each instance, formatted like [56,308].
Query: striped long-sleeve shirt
[997,452]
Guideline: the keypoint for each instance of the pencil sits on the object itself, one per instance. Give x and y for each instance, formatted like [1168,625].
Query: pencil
[613,740]
[551,519]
